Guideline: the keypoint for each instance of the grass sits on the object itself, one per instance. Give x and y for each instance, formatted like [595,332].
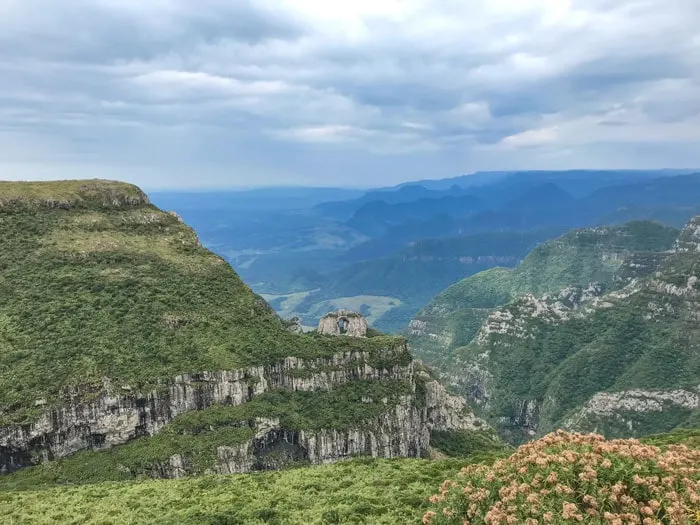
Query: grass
[462,444]
[362,491]
[105,285]
[69,193]
[358,491]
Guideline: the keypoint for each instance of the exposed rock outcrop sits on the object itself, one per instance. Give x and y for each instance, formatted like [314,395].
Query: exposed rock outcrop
[343,322]
[627,409]
[514,320]
[116,415]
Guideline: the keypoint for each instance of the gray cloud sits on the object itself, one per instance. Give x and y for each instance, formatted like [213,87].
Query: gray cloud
[284,91]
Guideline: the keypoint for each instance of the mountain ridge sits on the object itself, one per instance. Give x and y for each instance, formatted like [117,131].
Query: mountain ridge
[623,361]
[115,321]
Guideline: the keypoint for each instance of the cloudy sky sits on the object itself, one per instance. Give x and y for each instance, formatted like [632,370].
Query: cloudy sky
[178,93]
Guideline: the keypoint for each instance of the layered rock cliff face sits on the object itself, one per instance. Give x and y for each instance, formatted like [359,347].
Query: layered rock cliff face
[625,362]
[116,415]
[120,333]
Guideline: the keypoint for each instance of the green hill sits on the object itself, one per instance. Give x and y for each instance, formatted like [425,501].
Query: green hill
[453,318]
[625,362]
[117,328]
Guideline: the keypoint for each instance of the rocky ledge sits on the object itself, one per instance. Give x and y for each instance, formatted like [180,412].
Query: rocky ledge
[115,415]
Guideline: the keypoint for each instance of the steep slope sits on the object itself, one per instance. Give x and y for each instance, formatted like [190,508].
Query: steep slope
[626,362]
[452,319]
[116,324]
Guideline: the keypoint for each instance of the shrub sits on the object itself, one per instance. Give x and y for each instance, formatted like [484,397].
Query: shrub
[569,478]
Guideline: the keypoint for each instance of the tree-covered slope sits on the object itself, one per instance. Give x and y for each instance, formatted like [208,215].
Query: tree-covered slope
[96,282]
[116,326]
[580,257]
[626,362]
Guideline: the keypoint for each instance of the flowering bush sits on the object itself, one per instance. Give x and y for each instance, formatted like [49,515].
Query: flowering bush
[570,478]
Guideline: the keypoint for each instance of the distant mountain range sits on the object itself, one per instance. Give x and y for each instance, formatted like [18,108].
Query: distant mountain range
[342,247]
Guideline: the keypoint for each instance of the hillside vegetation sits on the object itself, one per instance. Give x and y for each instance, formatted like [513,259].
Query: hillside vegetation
[453,318]
[127,350]
[623,362]
[381,492]
[98,283]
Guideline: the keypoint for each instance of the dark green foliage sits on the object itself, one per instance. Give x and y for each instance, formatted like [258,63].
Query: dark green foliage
[687,436]
[577,258]
[646,340]
[367,491]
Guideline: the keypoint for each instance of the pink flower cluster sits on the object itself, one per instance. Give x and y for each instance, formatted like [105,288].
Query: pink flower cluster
[575,478]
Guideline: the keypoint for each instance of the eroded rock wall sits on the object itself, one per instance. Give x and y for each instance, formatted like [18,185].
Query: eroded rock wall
[116,415]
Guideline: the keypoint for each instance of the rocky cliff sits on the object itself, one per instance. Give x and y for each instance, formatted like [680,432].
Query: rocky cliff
[120,333]
[622,362]
[116,416]
[453,318]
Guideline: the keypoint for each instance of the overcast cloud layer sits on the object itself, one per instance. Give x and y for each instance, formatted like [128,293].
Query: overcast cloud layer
[173,93]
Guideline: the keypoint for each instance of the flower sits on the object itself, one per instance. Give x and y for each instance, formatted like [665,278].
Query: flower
[543,480]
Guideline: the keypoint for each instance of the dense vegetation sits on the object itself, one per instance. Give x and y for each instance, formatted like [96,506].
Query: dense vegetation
[359,491]
[643,337]
[568,478]
[98,283]
[577,258]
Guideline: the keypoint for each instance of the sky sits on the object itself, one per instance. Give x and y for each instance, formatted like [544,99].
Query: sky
[236,93]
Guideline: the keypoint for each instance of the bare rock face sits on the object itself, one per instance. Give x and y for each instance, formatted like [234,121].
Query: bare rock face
[116,414]
[628,409]
[343,322]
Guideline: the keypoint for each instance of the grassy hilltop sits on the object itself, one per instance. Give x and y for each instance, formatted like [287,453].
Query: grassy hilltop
[96,282]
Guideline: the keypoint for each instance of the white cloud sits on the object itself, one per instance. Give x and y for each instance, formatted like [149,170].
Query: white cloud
[531,138]
[320,134]
[270,83]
